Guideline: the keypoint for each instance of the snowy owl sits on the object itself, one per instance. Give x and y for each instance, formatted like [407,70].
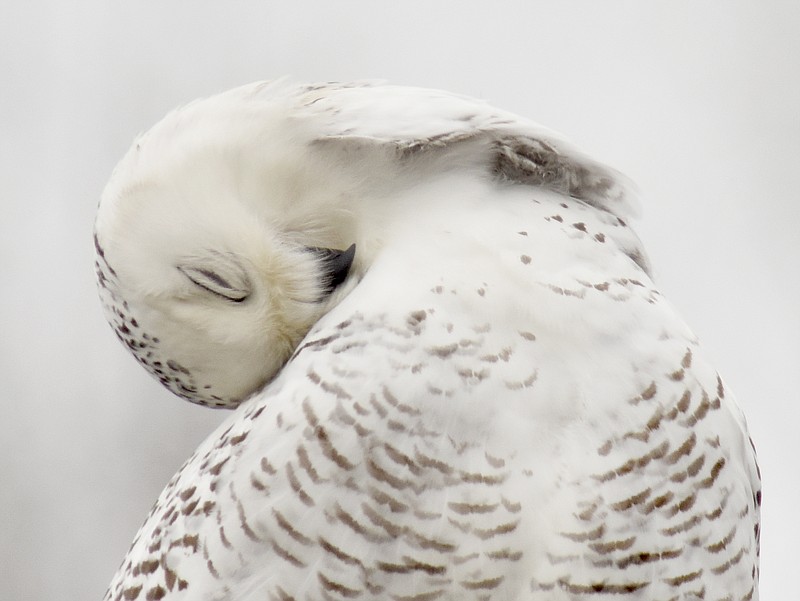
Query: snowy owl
[452,374]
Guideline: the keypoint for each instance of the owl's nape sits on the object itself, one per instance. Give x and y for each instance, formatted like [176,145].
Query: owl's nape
[483,396]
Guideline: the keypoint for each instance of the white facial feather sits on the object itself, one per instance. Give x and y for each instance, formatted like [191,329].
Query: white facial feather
[162,221]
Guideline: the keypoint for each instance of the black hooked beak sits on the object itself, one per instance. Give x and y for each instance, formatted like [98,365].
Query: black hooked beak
[335,264]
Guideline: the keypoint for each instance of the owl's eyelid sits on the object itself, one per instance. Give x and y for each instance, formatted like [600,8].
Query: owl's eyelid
[219,274]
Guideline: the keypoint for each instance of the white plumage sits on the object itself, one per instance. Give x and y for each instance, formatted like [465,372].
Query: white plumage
[490,400]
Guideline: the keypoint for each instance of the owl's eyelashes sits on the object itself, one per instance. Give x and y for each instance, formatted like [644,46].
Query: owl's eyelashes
[220,274]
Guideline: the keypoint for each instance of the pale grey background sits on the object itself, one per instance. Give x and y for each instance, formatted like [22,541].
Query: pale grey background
[696,101]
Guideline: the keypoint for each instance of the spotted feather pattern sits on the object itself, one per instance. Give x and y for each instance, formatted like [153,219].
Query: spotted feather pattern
[533,427]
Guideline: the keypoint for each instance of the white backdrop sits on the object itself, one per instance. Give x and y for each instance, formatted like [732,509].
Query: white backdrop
[697,101]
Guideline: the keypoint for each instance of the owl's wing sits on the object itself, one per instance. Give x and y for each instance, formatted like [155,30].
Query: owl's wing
[472,422]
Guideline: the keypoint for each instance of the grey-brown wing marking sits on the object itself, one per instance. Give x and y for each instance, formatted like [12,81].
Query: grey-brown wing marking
[359,496]
[363,495]
[418,121]
[517,158]
[674,510]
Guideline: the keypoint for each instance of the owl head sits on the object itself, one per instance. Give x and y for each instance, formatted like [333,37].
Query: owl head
[209,270]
